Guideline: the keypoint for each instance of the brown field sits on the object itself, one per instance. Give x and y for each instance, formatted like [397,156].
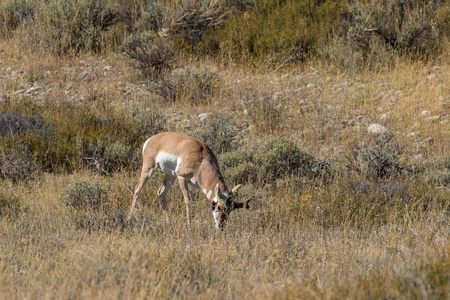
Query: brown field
[349,237]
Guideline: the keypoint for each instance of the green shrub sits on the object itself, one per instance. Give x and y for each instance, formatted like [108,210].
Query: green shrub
[240,5]
[70,25]
[10,205]
[147,122]
[149,53]
[277,159]
[84,195]
[278,32]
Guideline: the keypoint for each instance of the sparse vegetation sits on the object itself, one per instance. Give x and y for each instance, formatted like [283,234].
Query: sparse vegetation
[282,91]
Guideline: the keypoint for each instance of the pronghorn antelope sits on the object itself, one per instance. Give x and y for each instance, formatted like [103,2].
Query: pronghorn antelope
[192,162]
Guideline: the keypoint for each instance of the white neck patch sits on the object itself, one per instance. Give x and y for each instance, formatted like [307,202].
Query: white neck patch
[216,218]
[208,194]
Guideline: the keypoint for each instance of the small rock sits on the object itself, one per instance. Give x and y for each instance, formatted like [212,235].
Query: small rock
[350,122]
[425,113]
[429,140]
[203,116]
[107,68]
[431,76]
[384,117]
[33,89]
[376,129]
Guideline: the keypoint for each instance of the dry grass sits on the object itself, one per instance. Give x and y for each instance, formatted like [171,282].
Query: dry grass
[298,242]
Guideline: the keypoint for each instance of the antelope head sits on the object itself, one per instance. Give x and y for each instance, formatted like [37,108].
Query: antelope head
[223,204]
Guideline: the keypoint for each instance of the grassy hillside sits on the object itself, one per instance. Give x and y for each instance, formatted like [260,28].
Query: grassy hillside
[289,89]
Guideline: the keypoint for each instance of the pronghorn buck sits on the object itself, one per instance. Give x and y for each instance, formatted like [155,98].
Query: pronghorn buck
[192,162]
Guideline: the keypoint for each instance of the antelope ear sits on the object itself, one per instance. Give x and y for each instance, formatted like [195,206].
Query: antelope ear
[236,189]
[216,194]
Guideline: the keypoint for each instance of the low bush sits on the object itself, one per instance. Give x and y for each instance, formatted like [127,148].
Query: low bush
[16,123]
[194,19]
[150,17]
[84,195]
[277,159]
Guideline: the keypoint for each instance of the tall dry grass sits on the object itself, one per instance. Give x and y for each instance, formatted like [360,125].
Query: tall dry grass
[349,235]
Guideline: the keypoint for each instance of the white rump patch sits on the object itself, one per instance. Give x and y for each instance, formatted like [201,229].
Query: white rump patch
[168,163]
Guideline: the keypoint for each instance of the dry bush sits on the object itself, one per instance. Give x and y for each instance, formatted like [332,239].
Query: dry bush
[149,53]
[15,123]
[377,33]
[14,13]
[66,26]
[10,205]
[264,113]
[219,134]
[192,21]
[18,164]
[379,157]
[278,33]
[197,85]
